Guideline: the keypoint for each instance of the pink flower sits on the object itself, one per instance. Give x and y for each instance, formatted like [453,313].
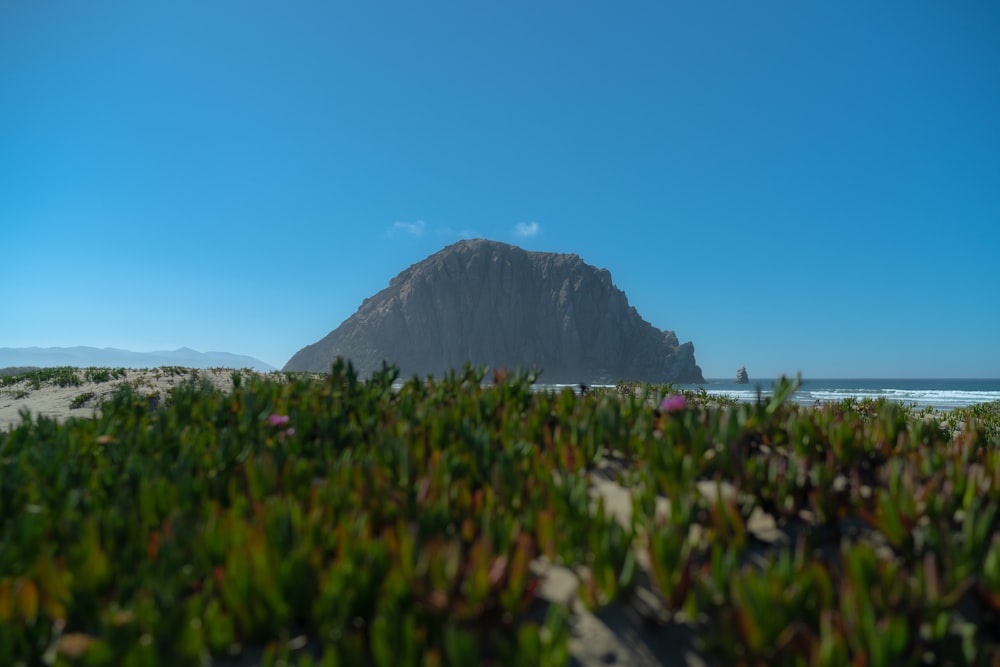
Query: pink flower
[674,403]
[278,420]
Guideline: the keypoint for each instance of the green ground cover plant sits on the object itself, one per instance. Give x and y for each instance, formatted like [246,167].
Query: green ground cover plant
[104,374]
[325,520]
[63,376]
[15,370]
[81,399]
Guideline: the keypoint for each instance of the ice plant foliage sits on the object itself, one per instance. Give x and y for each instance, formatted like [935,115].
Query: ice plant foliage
[402,525]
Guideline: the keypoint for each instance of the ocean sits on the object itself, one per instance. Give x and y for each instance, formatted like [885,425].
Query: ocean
[939,394]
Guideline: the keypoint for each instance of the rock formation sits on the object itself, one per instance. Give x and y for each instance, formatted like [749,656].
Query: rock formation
[741,376]
[494,304]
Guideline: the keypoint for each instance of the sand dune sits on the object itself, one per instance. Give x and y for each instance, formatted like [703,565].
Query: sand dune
[61,403]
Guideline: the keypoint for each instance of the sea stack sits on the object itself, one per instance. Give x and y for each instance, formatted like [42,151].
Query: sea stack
[495,304]
[741,376]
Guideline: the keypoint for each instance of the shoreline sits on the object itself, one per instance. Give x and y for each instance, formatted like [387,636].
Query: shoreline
[65,402]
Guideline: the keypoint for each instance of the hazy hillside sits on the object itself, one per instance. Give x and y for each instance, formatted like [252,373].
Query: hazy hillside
[109,356]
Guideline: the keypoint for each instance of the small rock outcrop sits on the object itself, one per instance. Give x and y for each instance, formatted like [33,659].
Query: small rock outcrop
[741,376]
[495,304]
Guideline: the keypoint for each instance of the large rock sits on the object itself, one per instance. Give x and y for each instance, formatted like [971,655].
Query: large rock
[495,304]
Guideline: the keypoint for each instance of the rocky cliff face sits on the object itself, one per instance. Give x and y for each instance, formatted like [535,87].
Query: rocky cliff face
[491,303]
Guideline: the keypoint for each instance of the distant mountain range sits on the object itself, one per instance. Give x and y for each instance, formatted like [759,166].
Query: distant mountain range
[112,357]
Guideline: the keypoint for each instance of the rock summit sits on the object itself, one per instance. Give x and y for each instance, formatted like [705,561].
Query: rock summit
[495,304]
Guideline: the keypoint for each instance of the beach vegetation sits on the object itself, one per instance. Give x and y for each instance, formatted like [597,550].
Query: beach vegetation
[62,376]
[657,392]
[308,519]
[16,370]
[81,399]
[104,374]
[985,414]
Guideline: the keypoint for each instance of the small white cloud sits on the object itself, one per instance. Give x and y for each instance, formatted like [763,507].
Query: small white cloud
[450,232]
[413,229]
[527,229]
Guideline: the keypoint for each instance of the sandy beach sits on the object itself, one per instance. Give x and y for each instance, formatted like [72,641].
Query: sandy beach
[62,403]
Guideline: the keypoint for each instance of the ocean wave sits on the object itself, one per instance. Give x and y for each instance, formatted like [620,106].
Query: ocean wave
[938,398]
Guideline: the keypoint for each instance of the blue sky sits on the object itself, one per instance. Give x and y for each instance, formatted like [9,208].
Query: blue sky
[804,187]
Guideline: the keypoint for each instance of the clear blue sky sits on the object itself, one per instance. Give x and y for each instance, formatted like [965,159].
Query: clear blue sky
[793,186]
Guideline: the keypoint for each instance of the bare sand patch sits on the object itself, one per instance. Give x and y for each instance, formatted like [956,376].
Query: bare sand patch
[84,400]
